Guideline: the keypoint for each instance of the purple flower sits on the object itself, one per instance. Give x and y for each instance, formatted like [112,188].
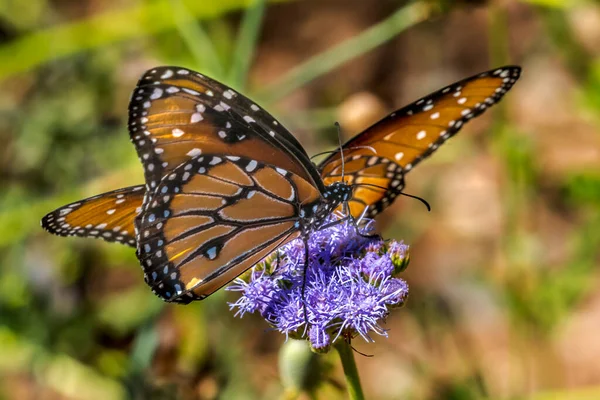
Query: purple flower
[351,285]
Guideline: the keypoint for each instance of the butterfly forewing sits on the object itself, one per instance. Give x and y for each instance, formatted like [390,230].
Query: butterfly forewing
[109,216]
[383,153]
[212,218]
[176,114]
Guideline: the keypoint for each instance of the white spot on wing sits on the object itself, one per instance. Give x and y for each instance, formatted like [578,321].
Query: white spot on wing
[191,91]
[156,94]
[167,74]
[194,152]
[212,253]
[251,166]
[177,132]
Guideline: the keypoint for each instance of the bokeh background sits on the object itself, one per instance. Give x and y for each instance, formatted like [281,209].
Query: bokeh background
[505,291]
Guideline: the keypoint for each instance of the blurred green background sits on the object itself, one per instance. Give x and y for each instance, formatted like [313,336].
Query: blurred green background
[505,292]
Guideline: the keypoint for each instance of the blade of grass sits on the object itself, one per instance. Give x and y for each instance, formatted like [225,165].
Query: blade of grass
[140,360]
[100,30]
[246,44]
[557,4]
[197,40]
[330,59]
[144,346]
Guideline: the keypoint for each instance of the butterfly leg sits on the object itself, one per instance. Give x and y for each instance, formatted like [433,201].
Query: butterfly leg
[366,236]
[305,238]
[334,223]
[278,258]
[356,222]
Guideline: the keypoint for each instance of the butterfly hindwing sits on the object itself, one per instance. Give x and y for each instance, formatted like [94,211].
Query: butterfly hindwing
[108,216]
[212,218]
[383,153]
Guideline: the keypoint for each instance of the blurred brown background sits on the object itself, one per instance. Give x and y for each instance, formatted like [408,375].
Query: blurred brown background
[505,299]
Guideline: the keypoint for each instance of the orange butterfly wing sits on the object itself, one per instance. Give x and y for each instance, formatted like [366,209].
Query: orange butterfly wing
[214,217]
[108,216]
[383,153]
[176,114]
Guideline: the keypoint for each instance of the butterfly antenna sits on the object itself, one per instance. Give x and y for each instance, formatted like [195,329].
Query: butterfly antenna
[422,200]
[339,130]
[347,148]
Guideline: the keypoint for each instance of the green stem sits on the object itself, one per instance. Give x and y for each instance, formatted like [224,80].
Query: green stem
[350,372]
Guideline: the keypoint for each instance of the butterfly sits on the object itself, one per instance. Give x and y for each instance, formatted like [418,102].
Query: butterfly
[226,184]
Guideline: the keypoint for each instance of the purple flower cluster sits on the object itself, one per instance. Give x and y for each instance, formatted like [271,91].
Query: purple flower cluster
[351,285]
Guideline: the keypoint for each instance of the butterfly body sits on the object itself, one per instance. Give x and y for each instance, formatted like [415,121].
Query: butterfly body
[226,184]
